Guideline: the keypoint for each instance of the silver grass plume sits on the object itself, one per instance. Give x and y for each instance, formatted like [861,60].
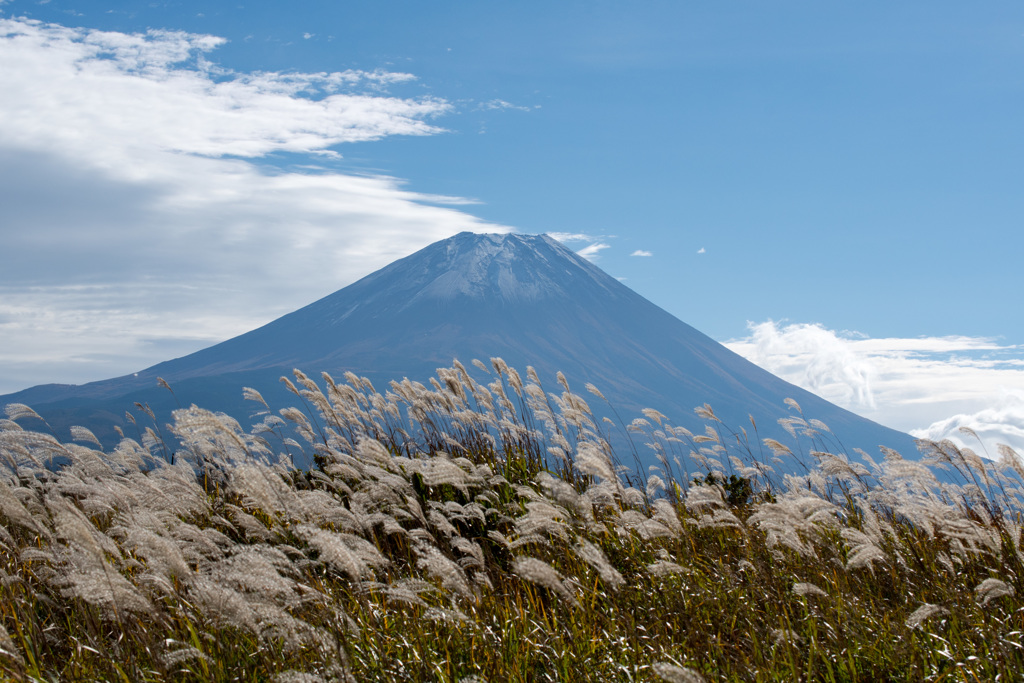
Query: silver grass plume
[863,551]
[923,613]
[1011,459]
[19,411]
[541,573]
[665,568]
[14,510]
[705,412]
[991,589]
[675,674]
[595,391]
[653,414]
[808,589]
[593,556]
[185,653]
[250,394]
[84,434]
[449,573]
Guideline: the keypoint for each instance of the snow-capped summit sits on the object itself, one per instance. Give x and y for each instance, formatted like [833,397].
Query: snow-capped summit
[494,269]
[525,298]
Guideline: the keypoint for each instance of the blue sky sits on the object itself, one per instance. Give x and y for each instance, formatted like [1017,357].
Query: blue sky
[834,190]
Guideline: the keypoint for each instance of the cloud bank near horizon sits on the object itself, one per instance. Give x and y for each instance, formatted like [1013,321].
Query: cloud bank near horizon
[145,207]
[930,387]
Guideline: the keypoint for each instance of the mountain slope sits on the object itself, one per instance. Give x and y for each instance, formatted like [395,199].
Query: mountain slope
[527,299]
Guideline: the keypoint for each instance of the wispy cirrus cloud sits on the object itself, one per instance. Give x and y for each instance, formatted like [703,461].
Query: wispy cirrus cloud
[138,209]
[566,237]
[641,252]
[929,386]
[500,105]
[592,251]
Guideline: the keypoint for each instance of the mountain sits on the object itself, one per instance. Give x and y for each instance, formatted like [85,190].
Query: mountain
[527,299]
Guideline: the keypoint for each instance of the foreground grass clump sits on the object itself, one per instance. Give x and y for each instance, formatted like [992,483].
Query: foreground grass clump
[471,532]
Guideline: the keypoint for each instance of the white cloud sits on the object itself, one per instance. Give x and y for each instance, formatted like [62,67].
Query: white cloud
[641,252]
[109,96]
[137,214]
[591,251]
[571,237]
[910,384]
[702,250]
[1003,423]
[501,105]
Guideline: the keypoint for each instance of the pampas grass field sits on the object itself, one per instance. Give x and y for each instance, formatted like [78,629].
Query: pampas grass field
[473,531]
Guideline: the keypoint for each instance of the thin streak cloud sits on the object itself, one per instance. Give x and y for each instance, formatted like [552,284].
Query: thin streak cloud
[592,251]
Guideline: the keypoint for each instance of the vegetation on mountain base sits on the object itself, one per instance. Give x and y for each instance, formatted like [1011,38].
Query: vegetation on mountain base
[472,531]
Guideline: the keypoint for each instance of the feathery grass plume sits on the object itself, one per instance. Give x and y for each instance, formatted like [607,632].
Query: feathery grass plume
[15,511]
[560,378]
[863,551]
[675,674]
[185,653]
[719,519]
[20,411]
[991,589]
[705,412]
[792,517]
[541,573]
[545,519]
[594,461]
[704,496]
[334,552]
[665,514]
[653,414]
[923,613]
[451,616]
[808,589]
[449,573]
[593,556]
[24,451]
[223,605]
[1011,459]
[638,424]
[90,578]
[778,449]
[791,423]
[595,391]
[655,484]
[250,394]
[666,568]
[83,434]
[261,489]
[162,554]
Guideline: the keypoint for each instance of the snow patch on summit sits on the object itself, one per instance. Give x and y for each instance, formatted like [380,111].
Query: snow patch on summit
[513,268]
